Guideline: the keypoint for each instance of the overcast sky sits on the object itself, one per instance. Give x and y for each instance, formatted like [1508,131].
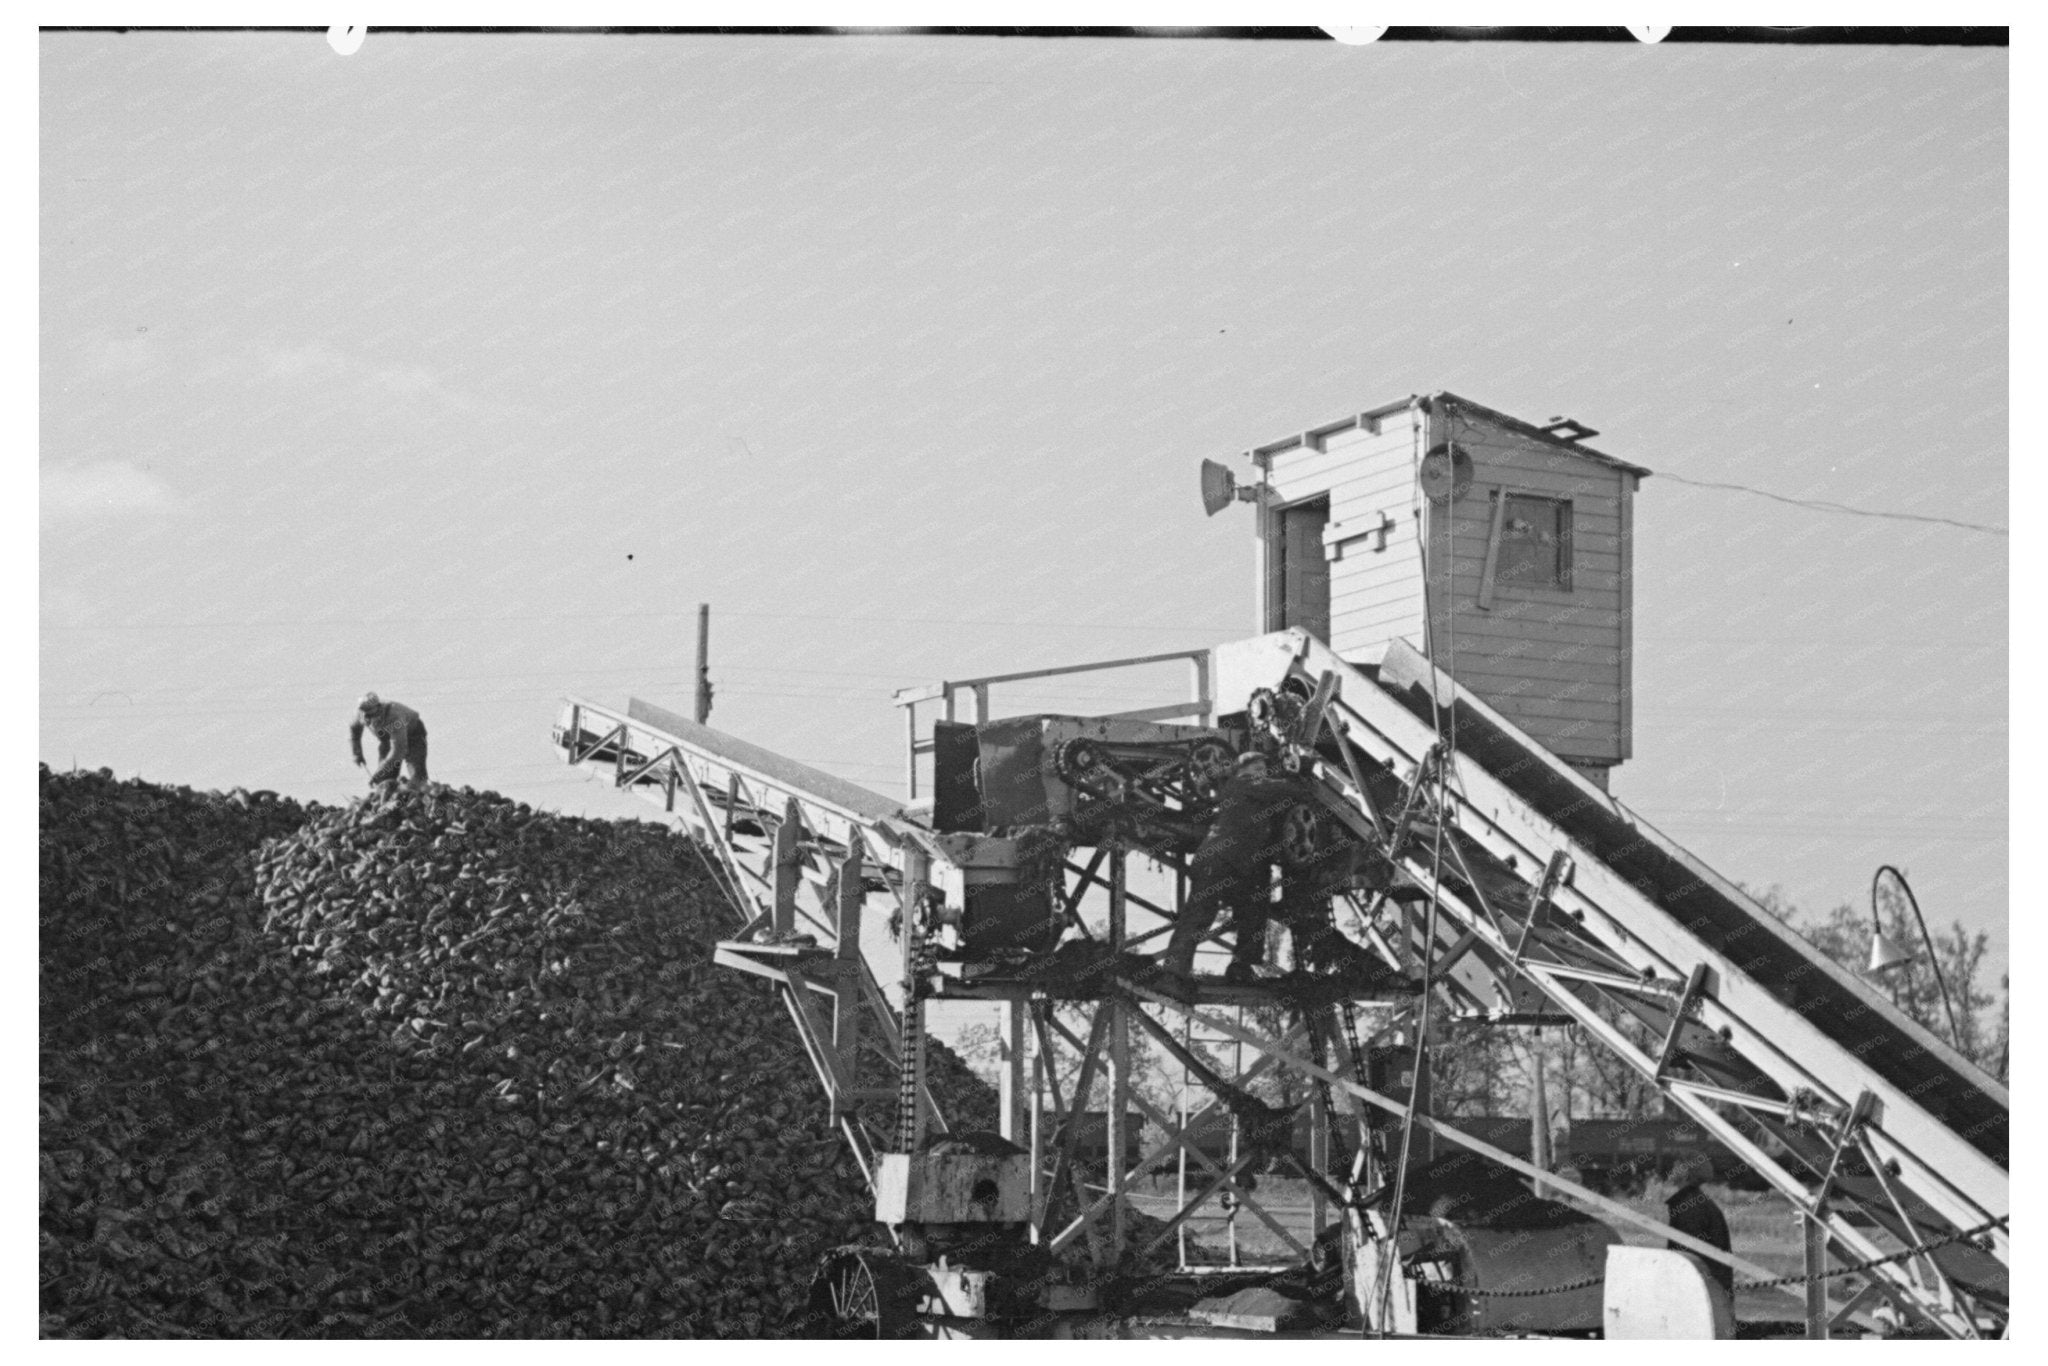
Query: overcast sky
[463,368]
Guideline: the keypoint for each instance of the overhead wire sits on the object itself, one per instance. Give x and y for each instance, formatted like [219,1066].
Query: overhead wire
[1826,505]
[1384,1288]
[1810,504]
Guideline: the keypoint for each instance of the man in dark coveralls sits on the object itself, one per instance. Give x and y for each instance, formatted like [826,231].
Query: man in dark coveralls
[1231,870]
[401,739]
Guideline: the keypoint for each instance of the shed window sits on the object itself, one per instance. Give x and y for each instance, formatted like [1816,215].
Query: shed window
[1536,542]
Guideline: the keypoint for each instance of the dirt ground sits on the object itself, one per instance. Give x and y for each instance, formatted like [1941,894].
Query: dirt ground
[1761,1225]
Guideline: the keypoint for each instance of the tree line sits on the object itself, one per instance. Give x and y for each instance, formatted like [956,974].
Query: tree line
[1480,1069]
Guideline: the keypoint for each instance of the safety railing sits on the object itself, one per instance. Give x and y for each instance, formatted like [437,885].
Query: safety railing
[949,693]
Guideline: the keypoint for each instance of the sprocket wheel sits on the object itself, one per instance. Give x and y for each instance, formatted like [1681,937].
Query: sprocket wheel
[1301,836]
[1077,760]
[1209,763]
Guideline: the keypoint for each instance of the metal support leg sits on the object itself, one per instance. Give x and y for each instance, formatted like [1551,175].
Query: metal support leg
[1119,1066]
[1012,1120]
[1038,1067]
[1318,1153]
[1816,1244]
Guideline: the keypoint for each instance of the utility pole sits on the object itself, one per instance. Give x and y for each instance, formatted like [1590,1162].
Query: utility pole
[703,711]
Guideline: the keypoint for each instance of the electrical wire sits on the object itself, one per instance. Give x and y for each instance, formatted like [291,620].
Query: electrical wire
[1385,1286]
[1825,505]
[1811,504]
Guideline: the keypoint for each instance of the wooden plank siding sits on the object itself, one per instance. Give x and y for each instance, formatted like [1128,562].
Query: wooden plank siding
[1588,667]
[1375,595]
[1626,665]
[1598,635]
[1553,659]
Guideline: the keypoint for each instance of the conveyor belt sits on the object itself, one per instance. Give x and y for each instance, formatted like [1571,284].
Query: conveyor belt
[1724,921]
[1847,1106]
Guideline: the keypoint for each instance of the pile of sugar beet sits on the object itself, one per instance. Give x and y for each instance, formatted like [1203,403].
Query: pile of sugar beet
[426,1065]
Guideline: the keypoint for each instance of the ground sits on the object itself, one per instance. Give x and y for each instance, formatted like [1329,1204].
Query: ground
[1761,1225]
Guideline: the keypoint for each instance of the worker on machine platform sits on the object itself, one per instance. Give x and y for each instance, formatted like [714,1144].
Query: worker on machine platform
[401,739]
[1231,870]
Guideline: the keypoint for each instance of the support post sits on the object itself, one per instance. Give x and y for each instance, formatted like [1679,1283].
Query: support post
[1038,1066]
[1180,1179]
[1816,1246]
[1011,1120]
[788,869]
[703,708]
[1318,1142]
[848,965]
[1118,1108]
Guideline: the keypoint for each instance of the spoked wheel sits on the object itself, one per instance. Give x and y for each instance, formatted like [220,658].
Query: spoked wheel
[1077,760]
[861,1294]
[1209,764]
[1301,836]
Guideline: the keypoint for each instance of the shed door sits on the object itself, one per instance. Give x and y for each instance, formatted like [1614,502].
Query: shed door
[1305,568]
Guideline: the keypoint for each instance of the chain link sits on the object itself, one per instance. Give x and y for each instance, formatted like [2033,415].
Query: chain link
[921,961]
[1567,1288]
[1591,1281]
[1901,1255]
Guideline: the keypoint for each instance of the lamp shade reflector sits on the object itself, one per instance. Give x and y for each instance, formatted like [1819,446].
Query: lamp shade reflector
[1219,486]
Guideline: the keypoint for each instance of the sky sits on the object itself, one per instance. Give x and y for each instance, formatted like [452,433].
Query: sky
[464,367]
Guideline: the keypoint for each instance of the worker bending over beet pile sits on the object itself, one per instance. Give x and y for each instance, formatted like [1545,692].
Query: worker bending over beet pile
[401,739]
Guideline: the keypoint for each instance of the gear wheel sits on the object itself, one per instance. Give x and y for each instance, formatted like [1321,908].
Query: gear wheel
[1209,763]
[1079,759]
[1301,836]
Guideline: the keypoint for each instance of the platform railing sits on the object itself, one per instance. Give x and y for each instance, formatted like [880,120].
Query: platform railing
[948,693]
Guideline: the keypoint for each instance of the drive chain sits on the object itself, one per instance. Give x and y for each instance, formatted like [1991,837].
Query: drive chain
[922,959]
[1965,1236]
[1566,1288]
[1901,1255]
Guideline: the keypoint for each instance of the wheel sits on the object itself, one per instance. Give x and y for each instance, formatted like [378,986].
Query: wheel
[859,1294]
[1209,763]
[1301,836]
[1078,759]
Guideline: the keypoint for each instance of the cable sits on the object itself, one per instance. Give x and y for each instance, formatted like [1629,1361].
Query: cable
[1812,504]
[1383,1290]
[1823,505]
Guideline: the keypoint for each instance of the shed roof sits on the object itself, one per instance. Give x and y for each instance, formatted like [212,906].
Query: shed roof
[1317,435]
[1530,429]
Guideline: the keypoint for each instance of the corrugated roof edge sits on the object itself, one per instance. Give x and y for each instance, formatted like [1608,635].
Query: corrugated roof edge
[1314,436]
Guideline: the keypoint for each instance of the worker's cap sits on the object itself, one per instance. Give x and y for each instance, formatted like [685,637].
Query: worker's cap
[370,702]
[1250,757]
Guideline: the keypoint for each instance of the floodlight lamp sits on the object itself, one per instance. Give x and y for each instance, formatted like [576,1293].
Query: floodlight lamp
[1886,954]
[1220,488]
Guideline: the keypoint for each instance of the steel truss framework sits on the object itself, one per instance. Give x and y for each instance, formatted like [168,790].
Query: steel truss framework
[1529,924]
